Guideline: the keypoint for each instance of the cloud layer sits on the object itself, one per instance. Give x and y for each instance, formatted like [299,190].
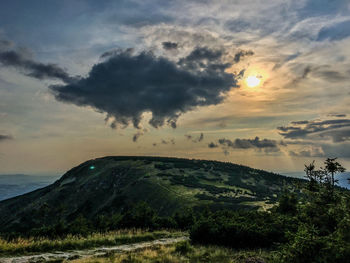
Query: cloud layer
[336,129]
[4,137]
[126,85]
[266,145]
[18,59]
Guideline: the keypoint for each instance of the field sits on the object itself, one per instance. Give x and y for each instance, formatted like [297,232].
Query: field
[184,252]
[23,246]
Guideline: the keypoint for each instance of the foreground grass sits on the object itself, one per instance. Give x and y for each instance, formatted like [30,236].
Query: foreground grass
[22,246]
[184,252]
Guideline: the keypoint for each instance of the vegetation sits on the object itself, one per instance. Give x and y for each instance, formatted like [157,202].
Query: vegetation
[310,224]
[41,244]
[109,187]
[183,253]
[313,229]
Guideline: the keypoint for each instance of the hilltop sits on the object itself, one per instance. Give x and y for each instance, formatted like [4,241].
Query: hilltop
[114,184]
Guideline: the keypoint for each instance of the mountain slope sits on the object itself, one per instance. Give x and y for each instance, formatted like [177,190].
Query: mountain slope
[113,184]
[17,184]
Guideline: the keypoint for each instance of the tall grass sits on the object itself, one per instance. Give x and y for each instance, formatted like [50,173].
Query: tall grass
[71,242]
[183,252]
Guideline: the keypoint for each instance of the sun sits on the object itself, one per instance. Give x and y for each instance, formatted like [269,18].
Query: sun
[252,81]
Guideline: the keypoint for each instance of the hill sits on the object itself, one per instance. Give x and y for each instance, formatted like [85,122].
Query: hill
[168,185]
[17,184]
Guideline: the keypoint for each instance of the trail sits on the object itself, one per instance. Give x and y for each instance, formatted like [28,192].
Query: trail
[101,251]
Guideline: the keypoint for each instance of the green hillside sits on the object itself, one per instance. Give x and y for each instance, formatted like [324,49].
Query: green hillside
[114,184]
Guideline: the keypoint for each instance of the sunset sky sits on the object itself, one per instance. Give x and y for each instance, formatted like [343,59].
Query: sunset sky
[260,83]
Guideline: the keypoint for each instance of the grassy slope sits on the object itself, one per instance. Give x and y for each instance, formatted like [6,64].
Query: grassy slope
[22,246]
[184,253]
[166,184]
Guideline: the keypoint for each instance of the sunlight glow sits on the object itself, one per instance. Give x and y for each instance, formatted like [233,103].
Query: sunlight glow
[252,81]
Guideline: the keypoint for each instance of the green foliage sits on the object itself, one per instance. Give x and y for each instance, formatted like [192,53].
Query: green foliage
[241,229]
[140,216]
[323,220]
[183,247]
[191,254]
[313,229]
[117,184]
[40,244]
[311,224]
[287,203]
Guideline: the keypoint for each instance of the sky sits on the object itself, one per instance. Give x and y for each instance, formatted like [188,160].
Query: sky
[258,83]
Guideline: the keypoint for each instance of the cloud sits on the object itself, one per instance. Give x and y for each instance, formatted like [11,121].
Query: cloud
[310,151]
[171,141]
[127,85]
[167,45]
[136,136]
[212,145]
[4,137]
[337,150]
[18,59]
[239,55]
[337,115]
[248,143]
[195,140]
[336,129]
[201,137]
[337,31]
[265,145]
[138,14]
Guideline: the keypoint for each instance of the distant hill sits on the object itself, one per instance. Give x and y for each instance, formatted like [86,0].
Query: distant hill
[17,184]
[113,184]
[343,178]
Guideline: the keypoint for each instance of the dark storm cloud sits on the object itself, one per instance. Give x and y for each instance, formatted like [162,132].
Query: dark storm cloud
[16,59]
[239,55]
[4,137]
[336,129]
[204,58]
[248,143]
[169,45]
[127,85]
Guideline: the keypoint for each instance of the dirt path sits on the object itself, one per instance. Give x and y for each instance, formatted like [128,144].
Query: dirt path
[101,251]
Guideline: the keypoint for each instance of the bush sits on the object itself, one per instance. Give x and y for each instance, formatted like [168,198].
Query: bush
[183,247]
[241,229]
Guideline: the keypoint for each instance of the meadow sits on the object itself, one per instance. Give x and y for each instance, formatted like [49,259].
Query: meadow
[20,245]
[184,252]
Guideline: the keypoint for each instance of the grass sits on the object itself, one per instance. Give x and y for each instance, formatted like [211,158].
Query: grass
[184,252]
[22,246]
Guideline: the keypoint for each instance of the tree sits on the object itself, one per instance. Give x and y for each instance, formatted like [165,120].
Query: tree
[332,167]
[315,176]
